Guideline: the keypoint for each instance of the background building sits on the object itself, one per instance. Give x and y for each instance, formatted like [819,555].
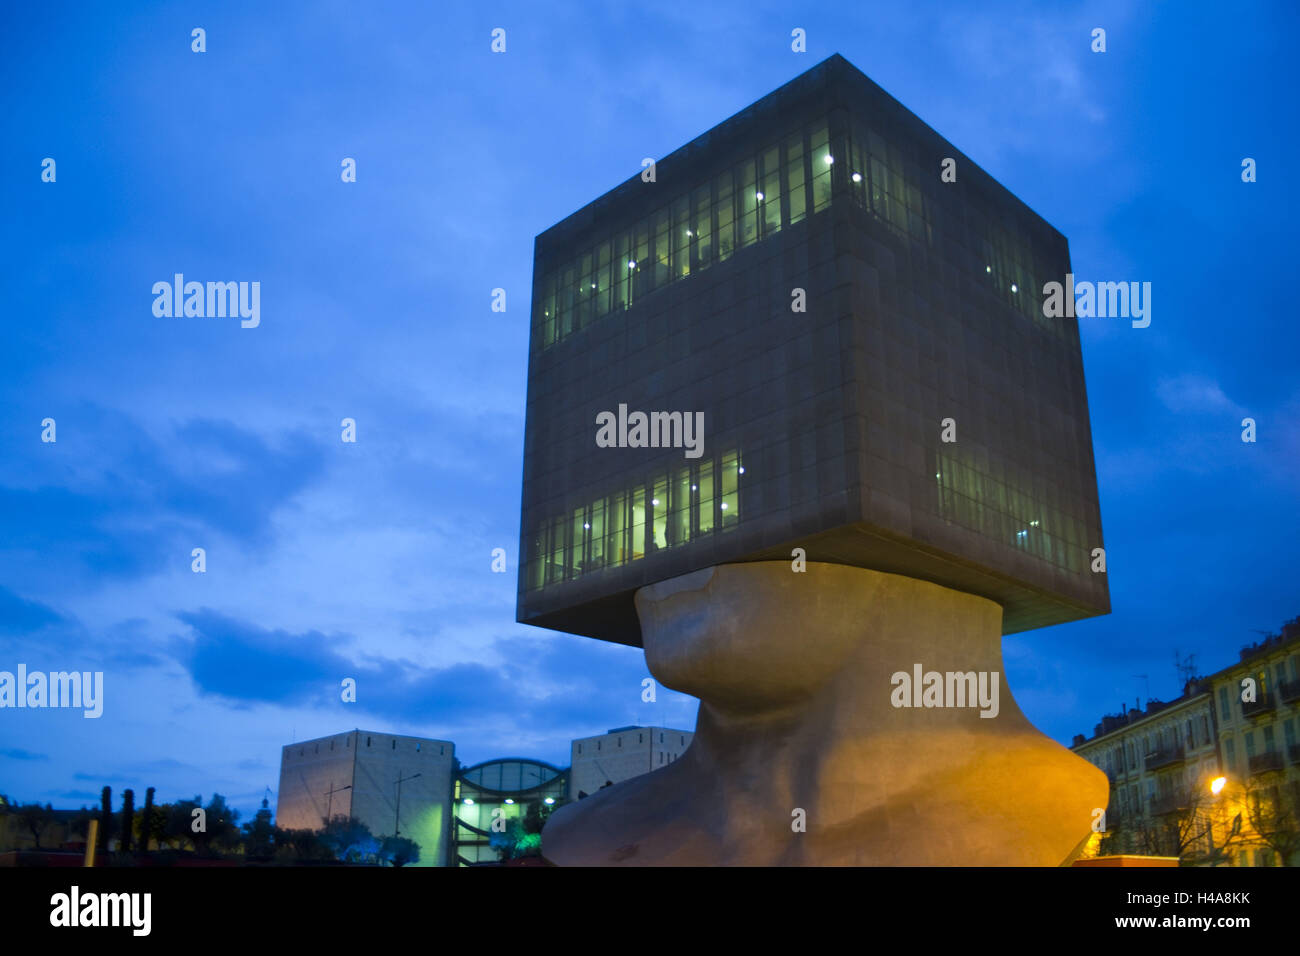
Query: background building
[515,793]
[362,768]
[621,754]
[924,302]
[1162,762]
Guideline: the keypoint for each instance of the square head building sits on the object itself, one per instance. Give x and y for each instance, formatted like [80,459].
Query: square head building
[864,343]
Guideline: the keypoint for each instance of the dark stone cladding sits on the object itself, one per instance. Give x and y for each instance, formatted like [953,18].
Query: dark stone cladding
[835,411]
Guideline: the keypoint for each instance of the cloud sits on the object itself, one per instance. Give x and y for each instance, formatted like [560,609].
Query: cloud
[19,616]
[539,679]
[1191,393]
[16,753]
[125,503]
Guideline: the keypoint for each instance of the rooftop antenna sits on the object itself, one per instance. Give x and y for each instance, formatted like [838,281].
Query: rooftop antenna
[1186,667]
[1148,685]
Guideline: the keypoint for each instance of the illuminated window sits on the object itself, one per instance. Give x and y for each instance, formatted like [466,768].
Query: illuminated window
[823,163]
[795,178]
[724,215]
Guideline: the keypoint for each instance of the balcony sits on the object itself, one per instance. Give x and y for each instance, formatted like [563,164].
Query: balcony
[1289,692]
[1169,803]
[1165,757]
[1265,762]
[1257,708]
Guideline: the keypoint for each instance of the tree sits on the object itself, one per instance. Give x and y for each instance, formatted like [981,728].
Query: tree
[259,834]
[301,845]
[146,820]
[1272,813]
[178,829]
[128,820]
[399,851]
[105,818]
[80,825]
[36,819]
[349,840]
[222,826]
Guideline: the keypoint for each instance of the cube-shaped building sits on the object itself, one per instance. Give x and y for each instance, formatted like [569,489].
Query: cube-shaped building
[804,277]
[354,775]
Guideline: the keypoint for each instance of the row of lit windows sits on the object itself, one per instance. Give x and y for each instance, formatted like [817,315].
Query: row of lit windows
[696,229]
[667,511]
[753,200]
[1002,512]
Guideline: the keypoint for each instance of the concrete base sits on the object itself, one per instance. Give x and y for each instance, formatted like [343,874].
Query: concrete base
[798,719]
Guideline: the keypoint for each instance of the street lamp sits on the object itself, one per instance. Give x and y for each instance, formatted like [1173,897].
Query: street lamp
[397,816]
[329,810]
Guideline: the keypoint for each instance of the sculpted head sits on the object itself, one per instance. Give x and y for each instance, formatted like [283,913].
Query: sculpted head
[755,636]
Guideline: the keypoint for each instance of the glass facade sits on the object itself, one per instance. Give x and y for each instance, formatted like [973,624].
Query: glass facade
[1002,510]
[502,792]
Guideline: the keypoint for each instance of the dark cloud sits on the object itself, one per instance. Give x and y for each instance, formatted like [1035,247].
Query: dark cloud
[16,753]
[542,681]
[138,502]
[19,616]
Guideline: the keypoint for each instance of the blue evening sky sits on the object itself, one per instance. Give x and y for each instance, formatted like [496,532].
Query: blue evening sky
[372,560]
